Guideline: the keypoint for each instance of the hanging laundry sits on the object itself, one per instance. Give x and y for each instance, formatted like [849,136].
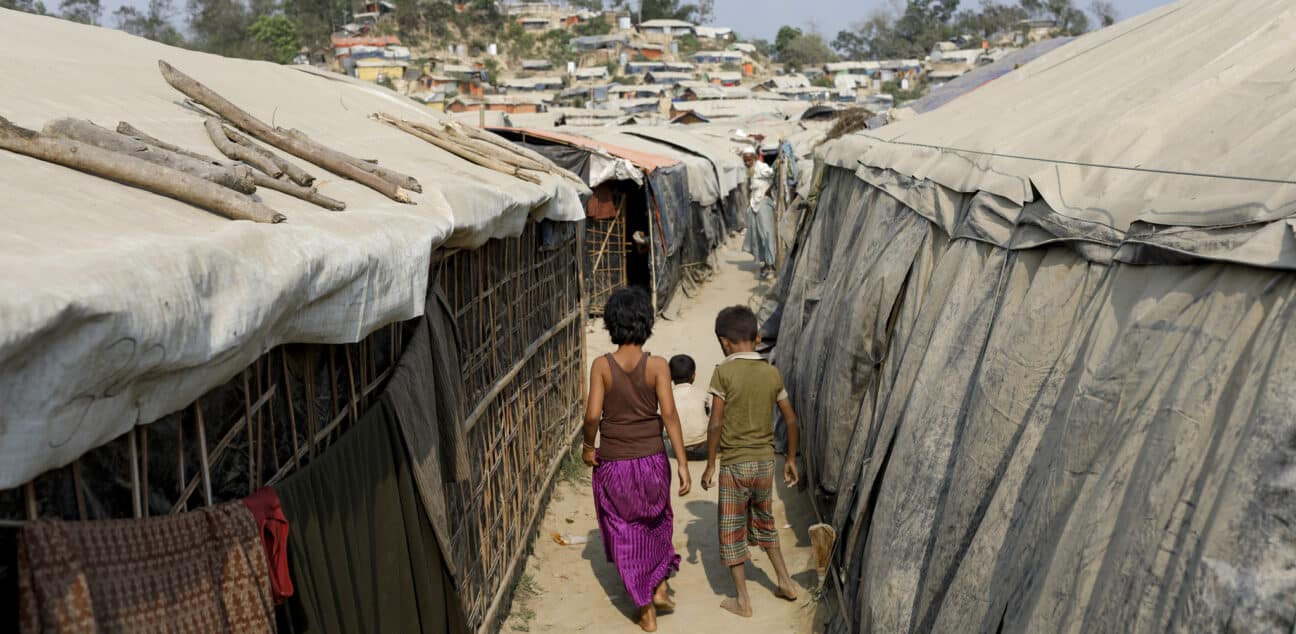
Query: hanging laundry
[196,572]
[273,527]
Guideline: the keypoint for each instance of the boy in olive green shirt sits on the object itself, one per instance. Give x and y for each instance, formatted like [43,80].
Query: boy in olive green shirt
[744,390]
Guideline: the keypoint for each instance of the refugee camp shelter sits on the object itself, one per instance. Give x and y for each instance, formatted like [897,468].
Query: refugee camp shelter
[416,363]
[696,202]
[635,192]
[1044,362]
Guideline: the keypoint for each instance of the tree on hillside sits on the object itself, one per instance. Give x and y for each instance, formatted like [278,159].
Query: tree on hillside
[991,19]
[26,6]
[1105,11]
[699,12]
[153,22]
[592,5]
[276,37]
[316,20]
[1069,19]
[219,26]
[83,11]
[798,49]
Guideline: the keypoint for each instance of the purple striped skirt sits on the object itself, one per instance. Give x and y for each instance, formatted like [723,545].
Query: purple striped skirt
[632,499]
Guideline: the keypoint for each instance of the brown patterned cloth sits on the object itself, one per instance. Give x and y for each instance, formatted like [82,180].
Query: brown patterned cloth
[203,571]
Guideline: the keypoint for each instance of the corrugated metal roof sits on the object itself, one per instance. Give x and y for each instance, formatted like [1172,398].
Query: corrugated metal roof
[643,160]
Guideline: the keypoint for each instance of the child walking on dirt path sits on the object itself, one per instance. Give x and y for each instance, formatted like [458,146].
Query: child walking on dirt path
[631,473]
[744,390]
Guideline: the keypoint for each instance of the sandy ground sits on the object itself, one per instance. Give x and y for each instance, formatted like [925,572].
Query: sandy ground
[574,589]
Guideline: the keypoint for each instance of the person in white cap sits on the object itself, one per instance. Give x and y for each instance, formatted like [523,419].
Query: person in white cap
[760,234]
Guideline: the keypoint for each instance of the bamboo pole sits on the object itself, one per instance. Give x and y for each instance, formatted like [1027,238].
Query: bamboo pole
[305,149]
[202,454]
[136,172]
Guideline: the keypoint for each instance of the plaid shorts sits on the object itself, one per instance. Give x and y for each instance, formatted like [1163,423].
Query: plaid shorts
[746,509]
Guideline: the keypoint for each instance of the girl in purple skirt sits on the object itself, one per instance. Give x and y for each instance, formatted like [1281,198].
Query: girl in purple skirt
[631,473]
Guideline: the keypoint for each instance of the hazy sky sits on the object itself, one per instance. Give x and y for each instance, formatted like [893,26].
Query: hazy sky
[762,18]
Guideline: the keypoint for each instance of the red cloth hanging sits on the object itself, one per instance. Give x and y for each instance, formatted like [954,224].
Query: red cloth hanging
[273,527]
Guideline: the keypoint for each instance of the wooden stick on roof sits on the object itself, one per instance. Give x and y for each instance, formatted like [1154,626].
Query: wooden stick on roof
[134,171]
[302,148]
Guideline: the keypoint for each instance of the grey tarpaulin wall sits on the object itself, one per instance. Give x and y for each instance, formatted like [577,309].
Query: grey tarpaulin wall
[1019,432]
[668,189]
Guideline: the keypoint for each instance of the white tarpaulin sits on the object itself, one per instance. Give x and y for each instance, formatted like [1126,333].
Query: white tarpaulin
[118,306]
[1083,125]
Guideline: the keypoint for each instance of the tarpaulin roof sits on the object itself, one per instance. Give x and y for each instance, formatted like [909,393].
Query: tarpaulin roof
[646,161]
[976,78]
[1143,125]
[703,184]
[119,306]
[1071,410]
[728,165]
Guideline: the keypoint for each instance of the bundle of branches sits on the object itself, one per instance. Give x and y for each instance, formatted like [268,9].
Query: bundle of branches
[157,172]
[481,148]
[849,121]
[384,181]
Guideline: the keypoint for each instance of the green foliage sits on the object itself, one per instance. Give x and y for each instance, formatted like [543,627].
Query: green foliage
[26,6]
[1104,11]
[597,26]
[699,12]
[316,20]
[823,81]
[276,36]
[901,96]
[688,44]
[153,23]
[798,49]
[731,67]
[83,11]
[924,23]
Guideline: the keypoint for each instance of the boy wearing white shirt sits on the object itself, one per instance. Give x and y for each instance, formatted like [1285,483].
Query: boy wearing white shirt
[692,405]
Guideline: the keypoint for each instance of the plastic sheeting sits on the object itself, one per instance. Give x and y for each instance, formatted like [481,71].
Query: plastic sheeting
[118,306]
[1188,150]
[703,181]
[1026,440]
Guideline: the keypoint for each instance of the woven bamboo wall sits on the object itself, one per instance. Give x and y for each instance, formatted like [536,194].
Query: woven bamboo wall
[605,259]
[517,304]
[520,309]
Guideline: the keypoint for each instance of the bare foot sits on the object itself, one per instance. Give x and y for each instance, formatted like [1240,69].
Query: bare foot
[787,591]
[661,598]
[648,619]
[737,608]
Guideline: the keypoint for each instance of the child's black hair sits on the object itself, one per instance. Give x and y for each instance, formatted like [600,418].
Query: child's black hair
[682,368]
[628,316]
[737,324]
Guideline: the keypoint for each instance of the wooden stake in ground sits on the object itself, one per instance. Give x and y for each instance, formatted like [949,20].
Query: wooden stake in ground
[237,177]
[304,149]
[822,540]
[134,171]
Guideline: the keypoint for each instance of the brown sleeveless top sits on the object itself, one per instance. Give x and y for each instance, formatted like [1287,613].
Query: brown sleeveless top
[631,427]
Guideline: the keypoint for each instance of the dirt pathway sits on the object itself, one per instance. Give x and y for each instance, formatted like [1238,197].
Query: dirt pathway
[574,588]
